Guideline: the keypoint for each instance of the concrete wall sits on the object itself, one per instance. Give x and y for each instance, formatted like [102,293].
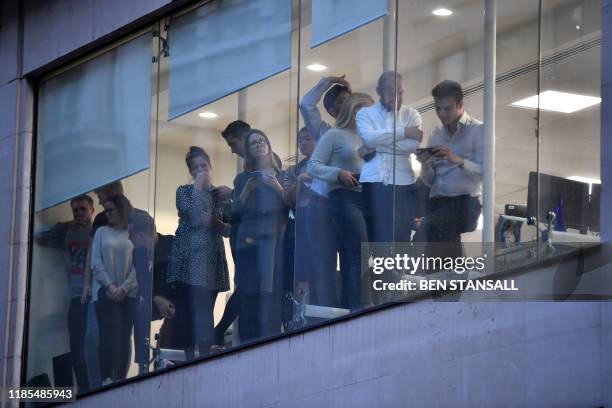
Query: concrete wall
[418,355]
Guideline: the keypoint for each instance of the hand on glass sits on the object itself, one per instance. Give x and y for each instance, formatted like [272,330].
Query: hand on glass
[340,81]
[347,179]
[445,153]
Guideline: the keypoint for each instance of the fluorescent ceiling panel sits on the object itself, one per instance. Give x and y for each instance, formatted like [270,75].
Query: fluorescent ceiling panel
[556,101]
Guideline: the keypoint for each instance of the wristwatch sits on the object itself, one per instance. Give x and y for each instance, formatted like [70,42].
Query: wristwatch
[460,165]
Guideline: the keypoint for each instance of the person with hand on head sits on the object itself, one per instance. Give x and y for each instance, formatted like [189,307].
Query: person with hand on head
[393,131]
[452,166]
[323,241]
[336,161]
[73,238]
[115,288]
[262,213]
[198,268]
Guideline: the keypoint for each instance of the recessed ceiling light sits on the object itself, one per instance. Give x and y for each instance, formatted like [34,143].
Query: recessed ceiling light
[442,12]
[316,67]
[207,115]
[556,101]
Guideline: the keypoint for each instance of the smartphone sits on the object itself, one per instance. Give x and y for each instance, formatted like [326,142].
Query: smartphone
[429,150]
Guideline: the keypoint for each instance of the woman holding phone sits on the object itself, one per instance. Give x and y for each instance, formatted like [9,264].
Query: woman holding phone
[263,216]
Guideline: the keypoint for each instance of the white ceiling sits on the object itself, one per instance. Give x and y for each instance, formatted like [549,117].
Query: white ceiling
[430,49]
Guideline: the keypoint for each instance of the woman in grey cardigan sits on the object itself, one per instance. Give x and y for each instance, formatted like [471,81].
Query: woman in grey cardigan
[336,161]
[115,288]
[198,267]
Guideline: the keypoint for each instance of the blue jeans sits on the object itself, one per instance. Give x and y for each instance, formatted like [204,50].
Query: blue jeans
[322,246]
[346,213]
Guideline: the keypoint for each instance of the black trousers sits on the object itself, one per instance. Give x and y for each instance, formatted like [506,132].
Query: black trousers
[446,220]
[77,322]
[194,318]
[389,211]
[115,322]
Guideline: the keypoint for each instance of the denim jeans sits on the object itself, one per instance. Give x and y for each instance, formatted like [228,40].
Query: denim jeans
[323,246]
[346,213]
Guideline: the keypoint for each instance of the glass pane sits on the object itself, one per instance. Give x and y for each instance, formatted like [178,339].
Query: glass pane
[90,259]
[225,46]
[337,81]
[220,202]
[94,122]
[516,137]
[569,173]
[440,55]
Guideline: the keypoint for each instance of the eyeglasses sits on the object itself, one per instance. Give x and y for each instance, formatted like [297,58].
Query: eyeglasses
[109,211]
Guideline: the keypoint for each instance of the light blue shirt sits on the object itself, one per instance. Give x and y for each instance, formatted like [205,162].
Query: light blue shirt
[447,179]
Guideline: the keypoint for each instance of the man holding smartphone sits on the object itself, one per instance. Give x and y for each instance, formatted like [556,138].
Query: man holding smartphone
[452,167]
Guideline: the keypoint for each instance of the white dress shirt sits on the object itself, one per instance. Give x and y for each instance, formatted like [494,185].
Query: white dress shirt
[384,131]
[447,179]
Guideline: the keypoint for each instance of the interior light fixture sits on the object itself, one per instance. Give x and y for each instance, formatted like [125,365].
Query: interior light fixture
[590,181]
[442,12]
[316,67]
[207,115]
[556,101]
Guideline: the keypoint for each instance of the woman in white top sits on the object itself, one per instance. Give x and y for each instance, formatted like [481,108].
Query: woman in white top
[115,288]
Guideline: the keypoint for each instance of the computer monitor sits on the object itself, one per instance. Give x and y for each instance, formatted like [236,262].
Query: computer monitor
[574,195]
[594,208]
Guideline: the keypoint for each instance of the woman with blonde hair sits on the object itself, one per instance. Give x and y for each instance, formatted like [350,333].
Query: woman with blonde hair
[336,161]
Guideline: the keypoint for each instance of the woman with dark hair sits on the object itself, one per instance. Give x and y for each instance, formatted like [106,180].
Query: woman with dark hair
[198,268]
[115,288]
[336,160]
[261,209]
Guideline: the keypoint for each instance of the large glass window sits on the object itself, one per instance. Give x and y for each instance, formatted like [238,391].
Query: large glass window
[247,168]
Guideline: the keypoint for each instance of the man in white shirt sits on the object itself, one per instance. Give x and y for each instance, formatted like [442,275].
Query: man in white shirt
[393,130]
[453,169]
